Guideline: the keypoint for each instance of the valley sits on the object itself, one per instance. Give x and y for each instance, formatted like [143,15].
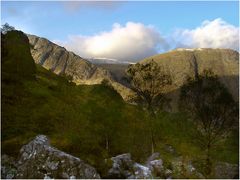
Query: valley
[48,90]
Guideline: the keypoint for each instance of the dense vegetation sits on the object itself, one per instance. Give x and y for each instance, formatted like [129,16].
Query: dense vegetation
[91,122]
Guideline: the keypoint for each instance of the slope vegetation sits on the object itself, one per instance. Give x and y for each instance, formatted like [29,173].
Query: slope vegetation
[91,122]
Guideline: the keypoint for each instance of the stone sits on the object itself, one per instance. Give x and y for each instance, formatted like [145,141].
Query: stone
[122,166]
[154,156]
[38,159]
[141,172]
[155,164]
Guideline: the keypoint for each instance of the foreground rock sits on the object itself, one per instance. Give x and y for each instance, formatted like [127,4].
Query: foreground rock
[125,168]
[155,164]
[39,160]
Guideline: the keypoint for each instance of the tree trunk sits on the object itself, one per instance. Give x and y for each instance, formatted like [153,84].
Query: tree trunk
[107,143]
[208,161]
[152,141]
[152,117]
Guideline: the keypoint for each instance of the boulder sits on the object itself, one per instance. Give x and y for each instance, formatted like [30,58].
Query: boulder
[155,164]
[125,168]
[40,160]
[141,172]
[122,167]
[154,156]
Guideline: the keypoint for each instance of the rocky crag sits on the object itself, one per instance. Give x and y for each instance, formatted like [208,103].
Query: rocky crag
[80,71]
[180,63]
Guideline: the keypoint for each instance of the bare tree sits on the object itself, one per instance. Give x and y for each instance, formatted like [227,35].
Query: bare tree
[149,81]
[212,108]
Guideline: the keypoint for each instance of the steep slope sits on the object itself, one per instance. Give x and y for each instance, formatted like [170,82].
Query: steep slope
[181,63]
[60,61]
[80,71]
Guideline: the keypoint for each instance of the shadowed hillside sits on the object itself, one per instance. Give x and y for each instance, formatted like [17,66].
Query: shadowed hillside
[91,122]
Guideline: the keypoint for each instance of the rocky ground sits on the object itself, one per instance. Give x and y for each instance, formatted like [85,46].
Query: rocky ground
[38,159]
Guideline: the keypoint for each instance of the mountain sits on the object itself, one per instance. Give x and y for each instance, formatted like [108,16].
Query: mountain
[181,63]
[89,122]
[79,70]
[117,71]
[60,61]
[107,61]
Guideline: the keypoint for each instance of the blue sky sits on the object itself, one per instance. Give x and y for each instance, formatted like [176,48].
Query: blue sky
[58,21]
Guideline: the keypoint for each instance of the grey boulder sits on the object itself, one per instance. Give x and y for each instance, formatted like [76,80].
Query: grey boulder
[40,160]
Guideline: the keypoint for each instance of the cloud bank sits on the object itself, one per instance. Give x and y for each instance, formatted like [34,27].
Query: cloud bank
[135,41]
[131,42]
[211,34]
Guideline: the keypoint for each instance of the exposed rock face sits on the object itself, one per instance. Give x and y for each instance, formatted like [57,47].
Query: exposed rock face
[184,62]
[39,160]
[60,61]
[81,71]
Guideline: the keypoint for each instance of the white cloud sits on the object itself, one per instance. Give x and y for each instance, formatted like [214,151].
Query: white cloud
[131,42]
[135,41]
[211,34]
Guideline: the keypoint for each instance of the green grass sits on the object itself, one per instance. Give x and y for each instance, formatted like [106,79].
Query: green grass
[78,119]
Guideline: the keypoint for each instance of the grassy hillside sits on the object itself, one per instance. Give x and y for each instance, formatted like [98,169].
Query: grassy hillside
[82,119]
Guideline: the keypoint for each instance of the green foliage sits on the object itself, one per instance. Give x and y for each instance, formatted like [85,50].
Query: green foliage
[149,82]
[213,109]
[79,119]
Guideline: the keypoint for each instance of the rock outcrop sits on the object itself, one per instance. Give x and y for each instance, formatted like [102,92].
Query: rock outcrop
[60,61]
[38,160]
[181,63]
[125,168]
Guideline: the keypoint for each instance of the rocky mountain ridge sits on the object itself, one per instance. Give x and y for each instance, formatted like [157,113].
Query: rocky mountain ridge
[79,70]
[182,63]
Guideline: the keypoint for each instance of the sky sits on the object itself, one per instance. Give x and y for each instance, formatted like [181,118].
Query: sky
[127,31]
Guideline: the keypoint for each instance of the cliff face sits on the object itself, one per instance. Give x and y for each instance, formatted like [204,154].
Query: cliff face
[61,61]
[181,63]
